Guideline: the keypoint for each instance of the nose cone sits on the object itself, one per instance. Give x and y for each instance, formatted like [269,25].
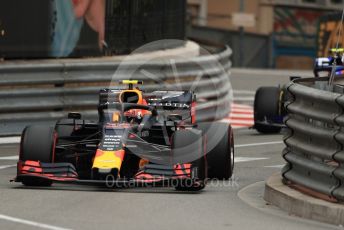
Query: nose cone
[108,159]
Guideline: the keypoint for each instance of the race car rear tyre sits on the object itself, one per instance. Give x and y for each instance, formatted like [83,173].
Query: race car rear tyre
[194,138]
[220,149]
[38,144]
[266,105]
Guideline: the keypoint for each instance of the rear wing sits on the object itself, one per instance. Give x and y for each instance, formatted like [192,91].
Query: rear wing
[326,64]
[322,64]
[167,99]
[181,103]
[170,100]
[109,95]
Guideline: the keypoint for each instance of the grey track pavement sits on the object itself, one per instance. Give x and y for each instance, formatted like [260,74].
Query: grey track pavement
[217,207]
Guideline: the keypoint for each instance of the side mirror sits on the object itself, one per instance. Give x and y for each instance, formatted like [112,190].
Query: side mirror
[74,116]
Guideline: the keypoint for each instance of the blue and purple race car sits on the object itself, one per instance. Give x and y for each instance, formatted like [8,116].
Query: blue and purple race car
[269,110]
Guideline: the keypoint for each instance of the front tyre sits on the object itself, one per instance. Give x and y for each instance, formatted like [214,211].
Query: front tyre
[38,144]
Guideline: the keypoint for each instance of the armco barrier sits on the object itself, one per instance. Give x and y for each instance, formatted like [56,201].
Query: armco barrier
[314,144]
[37,92]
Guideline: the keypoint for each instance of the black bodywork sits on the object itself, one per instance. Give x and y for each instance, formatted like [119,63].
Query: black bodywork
[147,136]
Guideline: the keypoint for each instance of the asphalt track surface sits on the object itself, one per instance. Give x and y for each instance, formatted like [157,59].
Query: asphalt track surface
[236,204]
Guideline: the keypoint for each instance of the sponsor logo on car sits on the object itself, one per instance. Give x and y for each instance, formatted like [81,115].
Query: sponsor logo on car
[167,104]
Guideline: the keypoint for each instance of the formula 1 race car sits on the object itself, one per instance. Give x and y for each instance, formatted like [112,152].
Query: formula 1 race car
[269,110]
[141,138]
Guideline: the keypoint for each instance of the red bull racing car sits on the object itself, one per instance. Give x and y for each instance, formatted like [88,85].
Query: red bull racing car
[141,138]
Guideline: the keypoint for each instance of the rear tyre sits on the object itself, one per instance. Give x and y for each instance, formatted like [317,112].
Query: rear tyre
[220,149]
[38,144]
[191,139]
[266,107]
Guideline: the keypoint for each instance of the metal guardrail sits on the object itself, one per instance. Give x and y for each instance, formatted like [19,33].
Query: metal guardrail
[44,92]
[315,141]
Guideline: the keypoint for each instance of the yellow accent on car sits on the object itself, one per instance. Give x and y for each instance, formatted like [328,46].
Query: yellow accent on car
[116,117]
[130,81]
[137,92]
[108,160]
[280,102]
[337,50]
